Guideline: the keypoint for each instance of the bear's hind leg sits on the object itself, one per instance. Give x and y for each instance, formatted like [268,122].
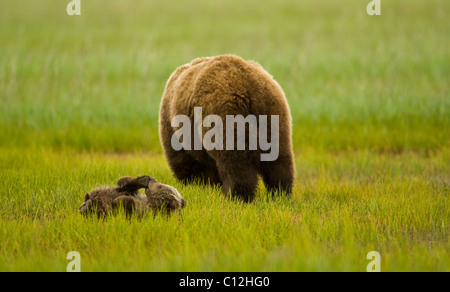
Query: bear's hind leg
[278,175]
[238,180]
[187,169]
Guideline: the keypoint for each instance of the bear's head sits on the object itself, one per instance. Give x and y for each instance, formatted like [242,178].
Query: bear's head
[163,197]
[94,203]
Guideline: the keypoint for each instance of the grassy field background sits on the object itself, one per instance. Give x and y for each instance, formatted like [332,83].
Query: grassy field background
[370,102]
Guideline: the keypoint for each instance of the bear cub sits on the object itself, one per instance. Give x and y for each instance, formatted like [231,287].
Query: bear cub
[158,197]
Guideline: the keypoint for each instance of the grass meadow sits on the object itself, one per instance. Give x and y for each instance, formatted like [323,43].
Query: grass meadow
[370,103]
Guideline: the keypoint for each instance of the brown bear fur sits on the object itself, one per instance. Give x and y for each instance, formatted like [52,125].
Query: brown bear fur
[159,197]
[227,85]
[106,199]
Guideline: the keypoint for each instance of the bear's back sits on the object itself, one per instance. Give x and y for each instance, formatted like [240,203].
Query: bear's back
[224,85]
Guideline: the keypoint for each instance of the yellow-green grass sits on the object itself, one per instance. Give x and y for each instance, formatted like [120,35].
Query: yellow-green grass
[344,205]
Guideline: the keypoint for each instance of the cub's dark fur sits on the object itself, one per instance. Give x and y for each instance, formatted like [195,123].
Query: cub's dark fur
[106,199]
[103,200]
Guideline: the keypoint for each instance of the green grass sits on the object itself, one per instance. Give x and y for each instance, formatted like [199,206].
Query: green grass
[369,98]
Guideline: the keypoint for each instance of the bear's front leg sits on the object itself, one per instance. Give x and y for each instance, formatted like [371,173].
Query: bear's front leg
[126,202]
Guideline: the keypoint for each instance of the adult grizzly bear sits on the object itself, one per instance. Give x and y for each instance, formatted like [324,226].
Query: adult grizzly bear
[227,88]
